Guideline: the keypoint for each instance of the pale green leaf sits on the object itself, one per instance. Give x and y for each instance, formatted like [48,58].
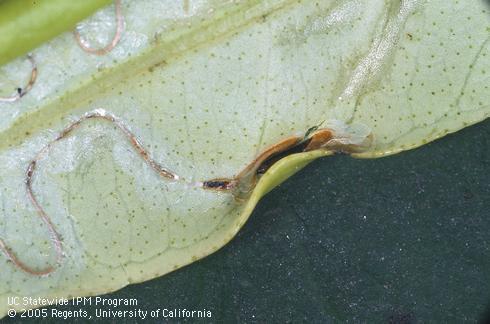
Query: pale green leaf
[205,91]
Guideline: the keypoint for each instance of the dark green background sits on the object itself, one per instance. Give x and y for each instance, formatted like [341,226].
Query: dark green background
[402,239]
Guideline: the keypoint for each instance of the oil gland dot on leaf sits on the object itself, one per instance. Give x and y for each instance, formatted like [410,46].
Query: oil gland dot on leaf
[186,6]
[20,92]
[115,40]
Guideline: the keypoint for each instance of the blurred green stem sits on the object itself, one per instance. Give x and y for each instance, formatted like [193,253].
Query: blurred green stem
[26,24]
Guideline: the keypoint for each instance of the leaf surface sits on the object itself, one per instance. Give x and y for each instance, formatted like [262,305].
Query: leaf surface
[205,89]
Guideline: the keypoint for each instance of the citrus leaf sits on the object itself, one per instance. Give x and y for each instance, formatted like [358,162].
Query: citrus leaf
[105,160]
